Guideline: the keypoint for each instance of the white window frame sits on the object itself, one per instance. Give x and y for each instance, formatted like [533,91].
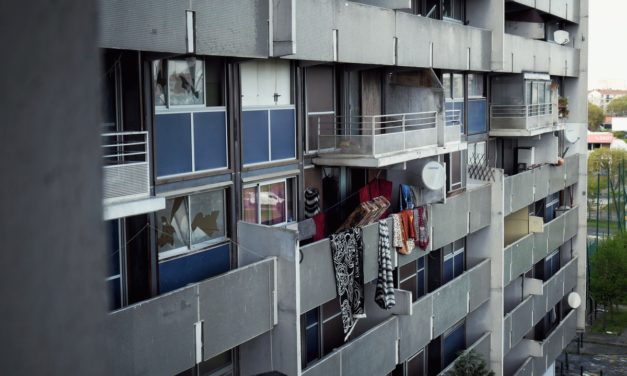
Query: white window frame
[258,201]
[198,246]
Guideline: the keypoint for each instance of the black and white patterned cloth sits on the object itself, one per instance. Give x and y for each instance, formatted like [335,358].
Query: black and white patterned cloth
[384,295]
[312,202]
[347,250]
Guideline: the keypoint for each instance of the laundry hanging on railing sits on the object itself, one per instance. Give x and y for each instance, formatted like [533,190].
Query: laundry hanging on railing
[384,294]
[409,197]
[376,188]
[347,252]
[404,232]
[366,213]
[421,220]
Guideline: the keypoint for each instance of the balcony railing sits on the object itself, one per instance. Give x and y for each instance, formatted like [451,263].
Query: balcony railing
[453,117]
[126,167]
[377,135]
[520,110]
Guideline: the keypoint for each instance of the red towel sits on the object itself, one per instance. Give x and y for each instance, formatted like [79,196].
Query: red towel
[364,194]
[374,188]
[385,190]
[319,221]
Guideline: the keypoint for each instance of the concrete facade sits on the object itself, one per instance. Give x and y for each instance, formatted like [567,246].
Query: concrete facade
[245,104]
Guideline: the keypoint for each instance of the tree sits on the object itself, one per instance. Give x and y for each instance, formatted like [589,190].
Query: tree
[595,117]
[608,272]
[618,107]
[470,364]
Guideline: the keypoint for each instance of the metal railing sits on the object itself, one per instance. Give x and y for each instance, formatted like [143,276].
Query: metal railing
[378,134]
[125,163]
[452,117]
[520,110]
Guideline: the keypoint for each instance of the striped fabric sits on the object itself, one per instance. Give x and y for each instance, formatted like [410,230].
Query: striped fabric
[384,295]
[312,202]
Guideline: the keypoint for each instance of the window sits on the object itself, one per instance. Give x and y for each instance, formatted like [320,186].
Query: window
[310,326]
[552,203]
[475,85]
[269,203]
[551,264]
[320,96]
[115,260]
[454,342]
[477,154]
[191,223]
[454,261]
[412,278]
[455,167]
[187,82]
[453,9]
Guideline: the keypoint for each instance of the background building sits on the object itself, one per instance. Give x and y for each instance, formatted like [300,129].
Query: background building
[602,97]
[217,116]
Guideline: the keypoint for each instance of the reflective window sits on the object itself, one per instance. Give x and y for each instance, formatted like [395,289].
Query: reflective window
[454,343]
[454,261]
[320,96]
[452,9]
[270,203]
[475,85]
[412,278]
[186,82]
[332,329]
[458,86]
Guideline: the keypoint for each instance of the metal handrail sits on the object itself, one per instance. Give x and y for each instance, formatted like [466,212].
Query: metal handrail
[520,110]
[125,148]
[453,117]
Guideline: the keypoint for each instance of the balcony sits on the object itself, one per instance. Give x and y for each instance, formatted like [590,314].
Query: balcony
[530,55]
[527,187]
[481,346]
[372,353]
[565,9]
[377,141]
[342,31]
[126,175]
[533,308]
[444,306]
[522,254]
[523,119]
[160,336]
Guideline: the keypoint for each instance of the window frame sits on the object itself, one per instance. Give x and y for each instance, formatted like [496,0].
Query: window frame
[451,255]
[121,276]
[192,248]
[180,107]
[287,181]
[417,270]
[307,150]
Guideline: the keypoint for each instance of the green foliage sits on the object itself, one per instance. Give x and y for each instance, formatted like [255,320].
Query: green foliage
[595,117]
[618,107]
[608,271]
[470,364]
[600,159]
[619,134]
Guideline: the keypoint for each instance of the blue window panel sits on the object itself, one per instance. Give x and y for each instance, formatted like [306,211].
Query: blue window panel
[115,293]
[209,140]
[179,272]
[421,263]
[283,133]
[448,273]
[421,283]
[312,343]
[459,264]
[114,251]
[173,142]
[453,344]
[477,122]
[312,317]
[255,136]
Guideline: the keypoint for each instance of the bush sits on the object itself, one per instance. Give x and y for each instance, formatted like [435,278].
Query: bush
[470,364]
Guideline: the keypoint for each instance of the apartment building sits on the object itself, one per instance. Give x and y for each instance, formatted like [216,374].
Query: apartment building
[218,116]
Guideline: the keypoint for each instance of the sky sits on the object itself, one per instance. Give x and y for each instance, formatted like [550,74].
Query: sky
[607,60]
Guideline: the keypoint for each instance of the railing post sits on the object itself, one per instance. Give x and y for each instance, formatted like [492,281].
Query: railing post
[404,134]
[373,137]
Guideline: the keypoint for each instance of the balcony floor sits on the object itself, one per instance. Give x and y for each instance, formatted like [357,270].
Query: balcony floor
[525,132]
[351,160]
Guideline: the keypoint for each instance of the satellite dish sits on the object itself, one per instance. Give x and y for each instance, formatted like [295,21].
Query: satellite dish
[571,135]
[574,300]
[561,37]
[433,176]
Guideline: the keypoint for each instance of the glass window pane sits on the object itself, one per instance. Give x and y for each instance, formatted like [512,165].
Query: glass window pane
[311,317]
[114,247]
[421,263]
[407,270]
[311,334]
[475,85]
[115,293]
[319,89]
[272,203]
[330,308]
[453,344]
[456,174]
[528,91]
[446,83]
[534,93]
[458,86]
[447,272]
[173,224]
[459,264]
[218,362]
[416,365]
[289,199]
[159,75]
[410,285]
[333,334]
[186,82]
[421,283]
[213,77]
[207,215]
[250,205]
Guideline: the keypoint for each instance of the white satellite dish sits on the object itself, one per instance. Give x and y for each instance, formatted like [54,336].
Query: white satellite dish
[433,176]
[571,134]
[561,37]
[574,300]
